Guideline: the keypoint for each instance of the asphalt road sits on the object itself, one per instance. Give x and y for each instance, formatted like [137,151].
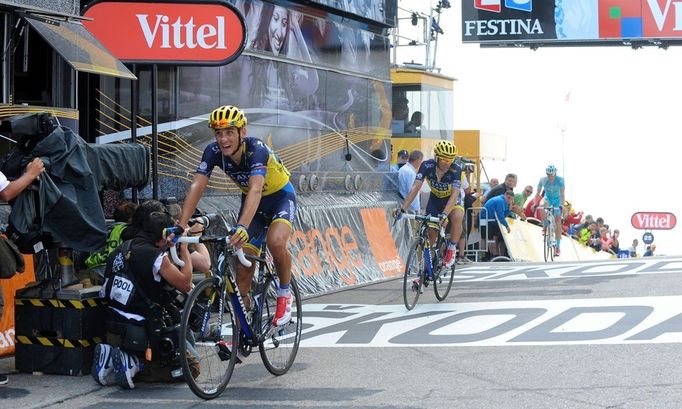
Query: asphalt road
[510,335]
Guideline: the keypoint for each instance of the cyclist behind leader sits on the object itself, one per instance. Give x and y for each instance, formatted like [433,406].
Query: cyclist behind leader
[553,186]
[268,199]
[444,178]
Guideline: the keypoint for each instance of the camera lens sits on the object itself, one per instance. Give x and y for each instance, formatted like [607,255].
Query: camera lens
[166,345]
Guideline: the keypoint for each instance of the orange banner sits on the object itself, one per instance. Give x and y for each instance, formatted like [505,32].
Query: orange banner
[9,289]
[381,241]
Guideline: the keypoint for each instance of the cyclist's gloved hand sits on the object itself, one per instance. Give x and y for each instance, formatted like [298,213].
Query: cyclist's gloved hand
[443,219]
[239,235]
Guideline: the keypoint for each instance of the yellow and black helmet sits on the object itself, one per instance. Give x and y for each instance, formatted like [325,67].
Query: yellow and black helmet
[226,116]
[445,150]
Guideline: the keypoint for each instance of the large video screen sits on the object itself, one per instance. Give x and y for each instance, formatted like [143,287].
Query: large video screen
[570,21]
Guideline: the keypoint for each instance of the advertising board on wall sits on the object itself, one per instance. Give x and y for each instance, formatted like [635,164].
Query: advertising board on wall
[576,21]
[172,32]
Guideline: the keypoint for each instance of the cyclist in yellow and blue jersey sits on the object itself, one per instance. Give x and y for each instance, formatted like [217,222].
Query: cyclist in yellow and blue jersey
[268,199]
[444,178]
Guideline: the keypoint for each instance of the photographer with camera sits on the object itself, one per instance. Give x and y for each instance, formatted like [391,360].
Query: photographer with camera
[141,287]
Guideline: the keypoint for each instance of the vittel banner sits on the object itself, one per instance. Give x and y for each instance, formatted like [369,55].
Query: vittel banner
[547,21]
[171,32]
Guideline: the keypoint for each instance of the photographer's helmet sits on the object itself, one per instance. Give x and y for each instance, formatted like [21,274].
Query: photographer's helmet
[445,150]
[226,116]
[551,170]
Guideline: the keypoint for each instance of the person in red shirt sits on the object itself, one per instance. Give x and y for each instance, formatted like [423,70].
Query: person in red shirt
[528,210]
[573,218]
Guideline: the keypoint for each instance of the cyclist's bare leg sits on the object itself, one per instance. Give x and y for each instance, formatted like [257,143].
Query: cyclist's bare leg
[245,276]
[278,239]
[456,223]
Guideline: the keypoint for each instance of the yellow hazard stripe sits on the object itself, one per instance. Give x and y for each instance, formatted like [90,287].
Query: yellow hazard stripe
[64,342]
[77,304]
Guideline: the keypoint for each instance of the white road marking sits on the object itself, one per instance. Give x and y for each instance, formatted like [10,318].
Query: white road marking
[502,323]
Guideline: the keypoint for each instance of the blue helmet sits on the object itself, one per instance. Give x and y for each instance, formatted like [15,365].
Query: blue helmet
[551,170]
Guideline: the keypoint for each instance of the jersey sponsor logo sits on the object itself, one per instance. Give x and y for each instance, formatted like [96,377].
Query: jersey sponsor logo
[506,323]
[203,166]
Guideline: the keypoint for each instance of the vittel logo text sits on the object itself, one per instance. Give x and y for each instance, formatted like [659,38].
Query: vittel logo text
[653,220]
[660,14]
[206,32]
[179,34]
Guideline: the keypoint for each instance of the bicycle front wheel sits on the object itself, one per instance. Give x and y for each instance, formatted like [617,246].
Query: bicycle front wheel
[443,276]
[413,279]
[208,349]
[280,345]
[549,250]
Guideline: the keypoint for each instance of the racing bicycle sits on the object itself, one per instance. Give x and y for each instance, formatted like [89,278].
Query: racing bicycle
[548,233]
[217,327]
[425,263]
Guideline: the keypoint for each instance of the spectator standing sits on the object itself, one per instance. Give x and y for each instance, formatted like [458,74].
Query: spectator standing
[406,177]
[572,219]
[402,158]
[615,245]
[521,197]
[509,184]
[414,126]
[11,189]
[633,249]
[497,209]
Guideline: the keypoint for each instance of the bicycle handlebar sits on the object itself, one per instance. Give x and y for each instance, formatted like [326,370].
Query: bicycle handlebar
[206,239]
[422,217]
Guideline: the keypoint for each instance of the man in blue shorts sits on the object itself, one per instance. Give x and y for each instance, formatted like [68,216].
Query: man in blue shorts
[444,178]
[553,186]
[268,199]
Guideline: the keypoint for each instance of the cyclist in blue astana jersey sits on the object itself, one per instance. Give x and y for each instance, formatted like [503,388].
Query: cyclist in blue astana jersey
[553,186]
[444,178]
[268,199]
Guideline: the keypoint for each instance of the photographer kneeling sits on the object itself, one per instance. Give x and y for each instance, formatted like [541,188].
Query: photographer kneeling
[142,315]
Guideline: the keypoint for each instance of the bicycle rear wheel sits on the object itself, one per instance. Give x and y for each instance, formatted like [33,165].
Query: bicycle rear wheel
[208,351]
[413,279]
[443,277]
[278,349]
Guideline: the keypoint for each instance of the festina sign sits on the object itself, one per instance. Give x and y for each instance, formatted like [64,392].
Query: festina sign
[653,220]
[507,20]
[171,32]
